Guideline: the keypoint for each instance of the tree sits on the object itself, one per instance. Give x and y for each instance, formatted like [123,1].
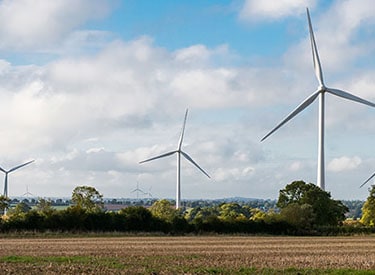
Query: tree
[137,218]
[45,207]
[368,209]
[294,193]
[258,215]
[201,214]
[20,209]
[233,212]
[87,198]
[163,210]
[299,215]
[326,210]
[4,203]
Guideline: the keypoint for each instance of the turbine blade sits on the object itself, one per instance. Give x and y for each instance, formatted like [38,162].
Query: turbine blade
[193,162]
[301,107]
[373,175]
[317,65]
[182,131]
[138,190]
[1,169]
[158,157]
[19,166]
[349,96]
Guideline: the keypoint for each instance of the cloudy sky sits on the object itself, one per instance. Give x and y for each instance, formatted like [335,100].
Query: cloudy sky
[89,88]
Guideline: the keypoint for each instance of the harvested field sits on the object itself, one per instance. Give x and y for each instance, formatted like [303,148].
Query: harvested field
[186,255]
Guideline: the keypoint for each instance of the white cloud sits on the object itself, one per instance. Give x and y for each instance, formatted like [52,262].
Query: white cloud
[89,117]
[253,10]
[233,174]
[196,52]
[39,24]
[295,166]
[344,163]
[113,91]
[200,54]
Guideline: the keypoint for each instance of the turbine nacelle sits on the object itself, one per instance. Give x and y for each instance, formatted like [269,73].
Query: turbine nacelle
[322,88]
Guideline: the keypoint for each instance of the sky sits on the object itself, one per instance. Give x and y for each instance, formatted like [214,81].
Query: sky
[89,88]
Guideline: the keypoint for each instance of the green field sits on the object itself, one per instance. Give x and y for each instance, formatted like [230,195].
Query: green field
[188,255]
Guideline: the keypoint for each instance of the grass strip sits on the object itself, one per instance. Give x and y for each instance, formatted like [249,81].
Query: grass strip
[275,271]
[84,260]
[114,263]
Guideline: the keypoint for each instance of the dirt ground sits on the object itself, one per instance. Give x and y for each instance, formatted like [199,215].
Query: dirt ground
[183,255]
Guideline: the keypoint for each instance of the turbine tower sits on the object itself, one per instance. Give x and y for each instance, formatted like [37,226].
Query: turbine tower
[320,93]
[9,171]
[179,153]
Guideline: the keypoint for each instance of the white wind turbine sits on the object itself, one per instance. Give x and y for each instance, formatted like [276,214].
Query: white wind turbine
[138,190]
[320,92]
[179,153]
[9,171]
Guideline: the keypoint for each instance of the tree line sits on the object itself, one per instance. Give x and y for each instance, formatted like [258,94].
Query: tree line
[302,209]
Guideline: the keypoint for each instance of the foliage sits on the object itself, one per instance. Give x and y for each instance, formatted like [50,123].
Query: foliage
[304,209]
[258,215]
[201,214]
[4,202]
[368,209]
[326,210]
[136,218]
[87,198]
[163,209]
[45,207]
[234,212]
[299,215]
[19,209]
[228,212]
[355,208]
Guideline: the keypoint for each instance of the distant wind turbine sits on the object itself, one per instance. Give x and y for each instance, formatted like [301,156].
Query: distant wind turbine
[179,153]
[320,92]
[27,194]
[138,190]
[370,178]
[149,192]
[9,171]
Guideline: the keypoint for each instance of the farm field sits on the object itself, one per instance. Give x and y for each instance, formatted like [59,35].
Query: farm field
[188,255]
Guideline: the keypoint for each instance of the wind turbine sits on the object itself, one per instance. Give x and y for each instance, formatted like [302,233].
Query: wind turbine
[149,193]
[370,178]
[9,171]
[320,92]
[138,190]
[27,194]
[179,153]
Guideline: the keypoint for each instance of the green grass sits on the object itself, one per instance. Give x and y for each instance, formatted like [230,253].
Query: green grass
[83,260]
[115,264]
[288,271]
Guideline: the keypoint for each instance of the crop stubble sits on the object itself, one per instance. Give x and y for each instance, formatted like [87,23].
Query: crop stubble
[187,254]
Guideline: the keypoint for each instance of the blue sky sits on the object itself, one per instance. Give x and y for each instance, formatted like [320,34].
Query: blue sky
[89,88]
